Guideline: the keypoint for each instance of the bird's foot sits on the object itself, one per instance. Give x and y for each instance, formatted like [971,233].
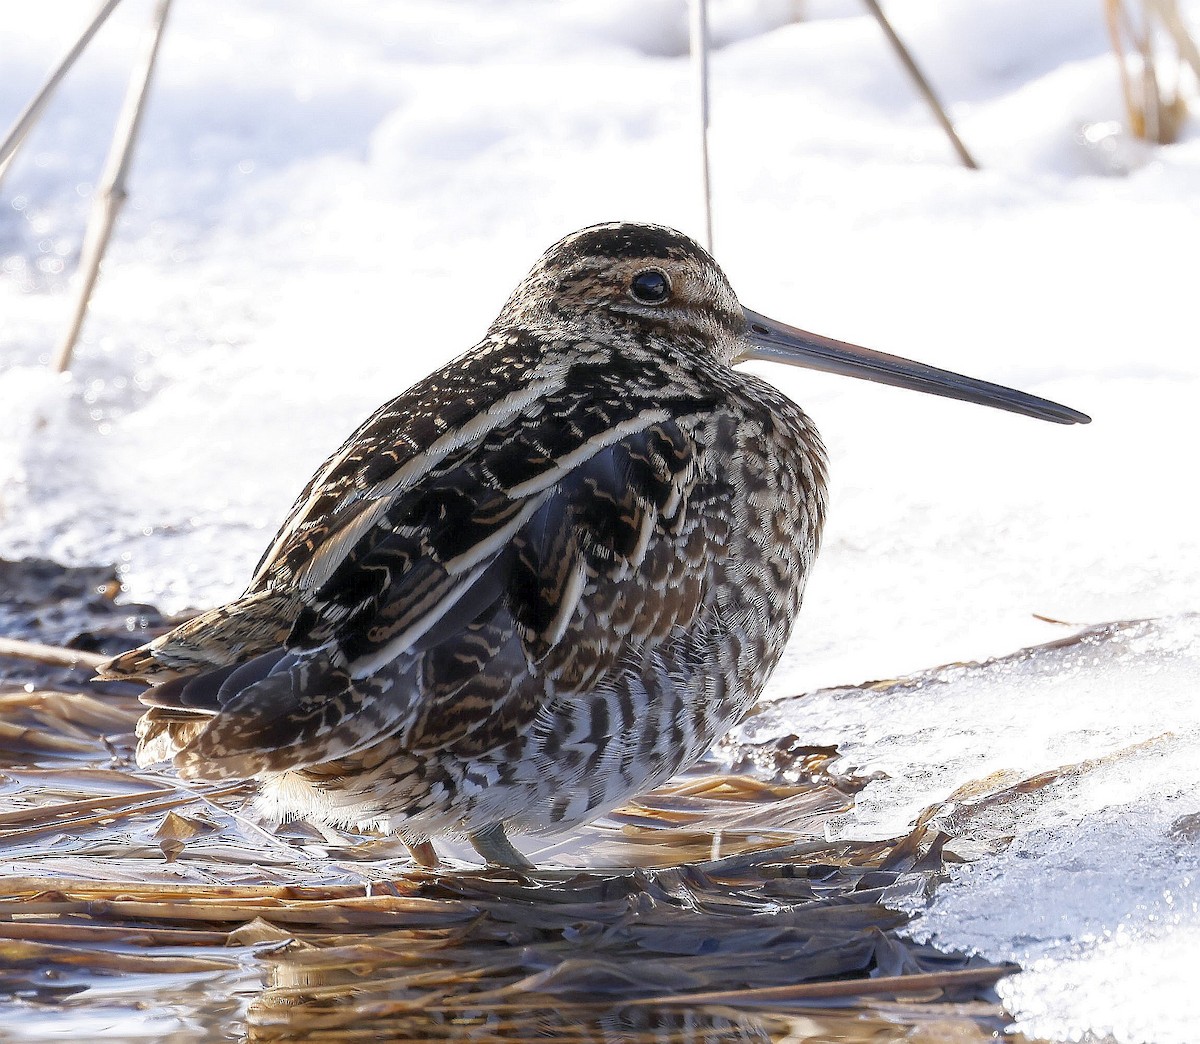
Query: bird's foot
[493,844]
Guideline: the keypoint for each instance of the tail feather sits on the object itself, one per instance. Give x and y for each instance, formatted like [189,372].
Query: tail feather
[221,637]
[308,711]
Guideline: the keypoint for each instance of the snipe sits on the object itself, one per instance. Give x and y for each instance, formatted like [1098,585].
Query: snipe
[543,579]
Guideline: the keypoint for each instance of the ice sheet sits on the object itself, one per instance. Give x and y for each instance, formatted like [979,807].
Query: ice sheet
[1086,876]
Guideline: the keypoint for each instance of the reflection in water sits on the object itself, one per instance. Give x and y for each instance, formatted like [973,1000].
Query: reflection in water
[347,1008]
[603,957]
[364,1003]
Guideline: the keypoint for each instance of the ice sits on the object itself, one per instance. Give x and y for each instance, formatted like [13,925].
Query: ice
[1086,878]
[1123,693]
[331,200]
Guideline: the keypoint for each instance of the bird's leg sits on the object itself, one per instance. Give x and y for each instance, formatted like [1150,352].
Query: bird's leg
[423,853]
[493,844]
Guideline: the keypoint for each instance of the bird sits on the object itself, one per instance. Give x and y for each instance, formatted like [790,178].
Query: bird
[541,580]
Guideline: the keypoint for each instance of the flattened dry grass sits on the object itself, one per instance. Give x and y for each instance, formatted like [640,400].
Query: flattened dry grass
[721,912]
[712,909]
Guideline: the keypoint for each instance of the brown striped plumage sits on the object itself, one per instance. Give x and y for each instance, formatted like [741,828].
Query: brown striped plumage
[542,579]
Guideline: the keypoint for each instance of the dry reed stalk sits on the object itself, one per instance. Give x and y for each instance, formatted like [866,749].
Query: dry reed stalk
[700,43]
[107,816]
[1173,22]
[1155,111]
[18,952]
[25,122]
[111,935]
[26,889]
[113,192]
[15,737]
[66,808]
[67,715]
[924,88]
[54,655]
[887,986]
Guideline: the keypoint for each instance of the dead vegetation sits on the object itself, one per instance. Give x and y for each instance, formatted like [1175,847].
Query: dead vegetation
[713,909]
[111,873]
[1154,45]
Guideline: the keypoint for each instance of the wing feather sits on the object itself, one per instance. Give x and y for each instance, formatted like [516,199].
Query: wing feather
[426,605]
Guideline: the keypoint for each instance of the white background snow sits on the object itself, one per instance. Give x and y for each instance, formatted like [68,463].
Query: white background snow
[330,200]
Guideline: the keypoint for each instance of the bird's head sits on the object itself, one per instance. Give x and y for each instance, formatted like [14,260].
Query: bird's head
[634,276]
[652,278]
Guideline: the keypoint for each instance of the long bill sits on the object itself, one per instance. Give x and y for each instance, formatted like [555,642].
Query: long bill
[777,342]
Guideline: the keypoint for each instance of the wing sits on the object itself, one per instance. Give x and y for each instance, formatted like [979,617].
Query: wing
[437,593]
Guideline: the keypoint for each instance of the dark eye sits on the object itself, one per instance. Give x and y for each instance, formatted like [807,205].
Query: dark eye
[650,287]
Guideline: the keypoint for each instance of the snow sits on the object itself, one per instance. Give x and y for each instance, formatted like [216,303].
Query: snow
[331,200]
